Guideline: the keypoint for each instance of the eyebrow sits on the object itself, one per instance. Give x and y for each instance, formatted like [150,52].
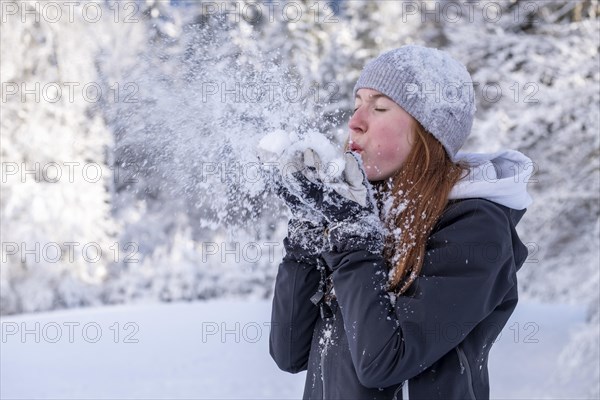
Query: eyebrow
[372,97]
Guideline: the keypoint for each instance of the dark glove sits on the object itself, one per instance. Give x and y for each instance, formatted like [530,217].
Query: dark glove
[306,227]
[346,202]
[298,207]
[305,240]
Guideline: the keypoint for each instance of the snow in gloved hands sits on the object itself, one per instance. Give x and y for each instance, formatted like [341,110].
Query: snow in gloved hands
[313,170]
[284,151]
[321,184]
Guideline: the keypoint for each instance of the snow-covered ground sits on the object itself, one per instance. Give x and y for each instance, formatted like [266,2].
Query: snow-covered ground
[219,349]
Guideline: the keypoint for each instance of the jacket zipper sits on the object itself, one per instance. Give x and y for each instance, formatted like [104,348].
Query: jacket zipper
[404,387]
[464,364]
[326,344]
[323,371]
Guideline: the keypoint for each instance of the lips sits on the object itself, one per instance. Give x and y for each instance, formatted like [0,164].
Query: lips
[356,148]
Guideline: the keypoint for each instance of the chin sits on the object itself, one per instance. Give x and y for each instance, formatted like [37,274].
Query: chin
[374,173]
[378,176]
[373,176]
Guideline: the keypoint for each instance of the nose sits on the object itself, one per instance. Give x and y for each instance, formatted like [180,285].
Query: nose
[358,122]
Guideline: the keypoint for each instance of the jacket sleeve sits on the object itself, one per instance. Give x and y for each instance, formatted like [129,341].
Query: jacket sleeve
[468,270]
[293,315]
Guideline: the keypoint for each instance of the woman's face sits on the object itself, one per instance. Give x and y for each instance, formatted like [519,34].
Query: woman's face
[381,132]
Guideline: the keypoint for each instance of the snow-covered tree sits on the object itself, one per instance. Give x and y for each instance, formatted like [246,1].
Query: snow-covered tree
[57,230]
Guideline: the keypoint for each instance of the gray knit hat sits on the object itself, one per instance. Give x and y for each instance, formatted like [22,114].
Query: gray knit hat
[428,84]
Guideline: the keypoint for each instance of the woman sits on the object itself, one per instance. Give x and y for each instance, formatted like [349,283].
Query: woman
[398,278]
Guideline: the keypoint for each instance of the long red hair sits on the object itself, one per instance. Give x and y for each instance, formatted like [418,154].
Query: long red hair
[411,202]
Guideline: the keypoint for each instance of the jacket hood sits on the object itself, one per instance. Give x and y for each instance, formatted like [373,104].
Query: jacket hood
[500,177]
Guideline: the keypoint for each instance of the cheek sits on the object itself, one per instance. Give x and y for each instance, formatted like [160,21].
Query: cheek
[391,143]
[390,150]
[390,157]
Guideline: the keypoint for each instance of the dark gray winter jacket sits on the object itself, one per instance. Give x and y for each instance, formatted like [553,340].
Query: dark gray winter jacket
[434,339]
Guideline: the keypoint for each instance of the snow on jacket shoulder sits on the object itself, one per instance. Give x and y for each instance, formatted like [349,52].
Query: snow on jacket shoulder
[437,336]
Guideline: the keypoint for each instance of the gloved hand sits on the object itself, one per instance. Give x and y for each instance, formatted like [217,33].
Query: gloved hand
[305,240]
[299,209]
[306,227]
[345,202]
